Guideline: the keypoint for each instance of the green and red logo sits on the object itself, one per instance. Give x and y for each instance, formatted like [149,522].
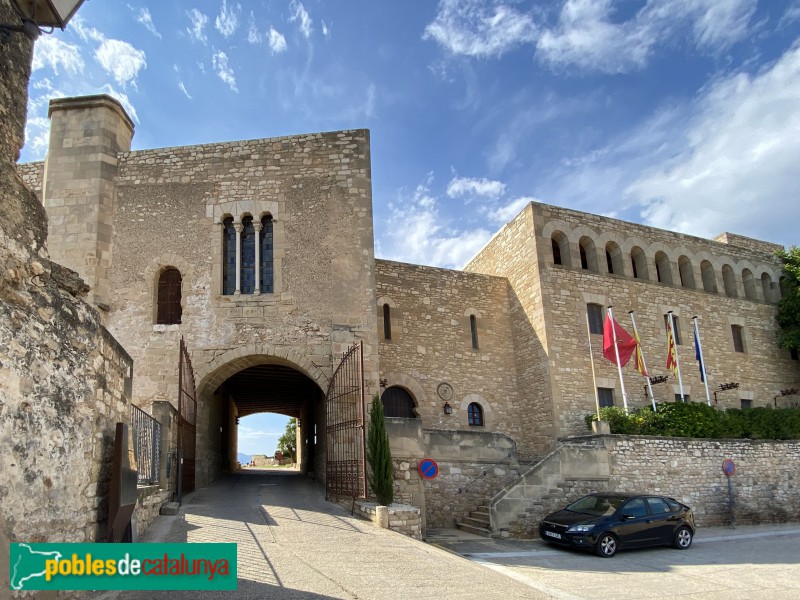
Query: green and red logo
[123,566]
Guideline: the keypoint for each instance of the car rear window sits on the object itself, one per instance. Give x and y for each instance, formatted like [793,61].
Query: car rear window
[659,506]
[674,506]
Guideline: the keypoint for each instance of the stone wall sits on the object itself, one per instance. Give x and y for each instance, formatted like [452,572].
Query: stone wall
[148,505]
[472,466]
[765,487]
[431,344]
[400,518]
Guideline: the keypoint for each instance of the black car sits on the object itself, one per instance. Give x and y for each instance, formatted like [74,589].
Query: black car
[607,522]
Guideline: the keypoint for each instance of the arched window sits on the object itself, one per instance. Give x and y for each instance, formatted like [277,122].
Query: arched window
[398,403]
[560,246]
[614,259]
[769,288]
[387,322]
[639,263]
[709,279]
[473,330]
[663,270]
[228,257]
[475,414]
[729,280]
[588,254]
[267,280]
[749,283]
[686,272]
[169,297]
[248,257]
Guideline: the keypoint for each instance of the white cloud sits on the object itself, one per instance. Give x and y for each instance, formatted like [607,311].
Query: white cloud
[253,34]
[791,15]
[144,17]
[197,25]
[224,71]
[589,33]
[504,214]
[86,33]
[326,30]
[227,21]
[300,14]
[183,89]
[37,134]
[738,155]
[468,186]
[123,99]
[479,28]
[419,234]
[277,43]
[50,51]
[120,60]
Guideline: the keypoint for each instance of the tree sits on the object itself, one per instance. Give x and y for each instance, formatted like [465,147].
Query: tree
[287,443]
[789,307]
[379,455]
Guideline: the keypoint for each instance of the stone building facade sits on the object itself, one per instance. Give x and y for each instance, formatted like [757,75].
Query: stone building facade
[499,348]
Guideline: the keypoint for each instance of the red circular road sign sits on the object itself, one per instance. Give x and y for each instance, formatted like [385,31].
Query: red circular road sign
[428,469]
[728,467]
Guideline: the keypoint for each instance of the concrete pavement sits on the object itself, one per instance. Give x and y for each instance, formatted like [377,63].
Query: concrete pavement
[294,544]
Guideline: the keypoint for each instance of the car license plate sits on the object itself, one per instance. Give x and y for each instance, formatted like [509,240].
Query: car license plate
[553,535]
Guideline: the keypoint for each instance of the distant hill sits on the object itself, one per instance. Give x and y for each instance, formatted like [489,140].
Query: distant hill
[244,458]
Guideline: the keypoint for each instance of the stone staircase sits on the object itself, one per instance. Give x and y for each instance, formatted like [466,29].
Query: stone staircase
[478,521]
[568,472]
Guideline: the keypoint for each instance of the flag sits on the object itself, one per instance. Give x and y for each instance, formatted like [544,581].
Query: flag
[638,358]
[672,359]
[699,356]
[625,342]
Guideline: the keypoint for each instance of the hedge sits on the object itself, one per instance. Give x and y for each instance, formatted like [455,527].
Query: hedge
[702,421]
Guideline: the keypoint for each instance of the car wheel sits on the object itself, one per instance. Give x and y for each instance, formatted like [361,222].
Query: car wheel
[606,546]
[683,538]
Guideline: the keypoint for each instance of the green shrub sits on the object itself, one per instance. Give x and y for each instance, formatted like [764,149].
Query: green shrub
[702,421]
[379,456]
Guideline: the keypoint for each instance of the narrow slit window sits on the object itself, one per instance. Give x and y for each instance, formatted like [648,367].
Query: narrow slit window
[473,329]
[387,322]
[738,338]
[595,312]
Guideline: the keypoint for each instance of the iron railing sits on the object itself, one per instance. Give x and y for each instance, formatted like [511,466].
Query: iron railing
[146,434]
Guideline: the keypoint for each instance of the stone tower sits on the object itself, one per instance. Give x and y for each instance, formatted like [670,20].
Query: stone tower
[86,136]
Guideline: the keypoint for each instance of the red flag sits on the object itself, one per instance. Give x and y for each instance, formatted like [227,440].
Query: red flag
[626,344]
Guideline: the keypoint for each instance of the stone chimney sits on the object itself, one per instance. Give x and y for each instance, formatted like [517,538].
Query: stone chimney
[87,134]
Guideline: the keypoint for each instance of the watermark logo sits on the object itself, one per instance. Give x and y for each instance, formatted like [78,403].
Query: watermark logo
[123,566]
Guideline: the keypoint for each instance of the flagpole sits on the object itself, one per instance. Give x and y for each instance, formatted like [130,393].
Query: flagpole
[591,359]
[702,360]
[619,366]
[644,364]
[677,360]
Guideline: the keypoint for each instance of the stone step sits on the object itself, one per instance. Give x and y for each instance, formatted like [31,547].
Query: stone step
[479,514]
[475,522]
[170,508]
[481,531]
[484,508]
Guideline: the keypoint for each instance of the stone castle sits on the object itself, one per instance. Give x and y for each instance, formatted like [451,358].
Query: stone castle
[260,255]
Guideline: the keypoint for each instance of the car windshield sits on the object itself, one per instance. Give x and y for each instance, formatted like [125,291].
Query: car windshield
[597,505]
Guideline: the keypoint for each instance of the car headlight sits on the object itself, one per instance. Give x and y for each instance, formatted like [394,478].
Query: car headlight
[580,529]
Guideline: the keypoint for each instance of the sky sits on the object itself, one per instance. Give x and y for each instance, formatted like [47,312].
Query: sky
[679,114]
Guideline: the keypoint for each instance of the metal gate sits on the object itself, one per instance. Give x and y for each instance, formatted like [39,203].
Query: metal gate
[345,472]
[187,421]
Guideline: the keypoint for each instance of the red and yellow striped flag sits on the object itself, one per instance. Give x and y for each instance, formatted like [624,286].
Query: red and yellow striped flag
[672,359]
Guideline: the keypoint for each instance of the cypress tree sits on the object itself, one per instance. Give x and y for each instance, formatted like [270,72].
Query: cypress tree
[379,455]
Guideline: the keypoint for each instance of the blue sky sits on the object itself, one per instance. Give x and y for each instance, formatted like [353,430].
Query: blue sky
[681,114]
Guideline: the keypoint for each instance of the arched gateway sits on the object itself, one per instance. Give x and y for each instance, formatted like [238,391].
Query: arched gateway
[256,379]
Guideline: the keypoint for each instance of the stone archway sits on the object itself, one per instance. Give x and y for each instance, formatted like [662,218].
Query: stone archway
[244,381]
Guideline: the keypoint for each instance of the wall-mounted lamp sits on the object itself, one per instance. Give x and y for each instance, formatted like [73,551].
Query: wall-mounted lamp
[237,420]
[35,14]
[448,410]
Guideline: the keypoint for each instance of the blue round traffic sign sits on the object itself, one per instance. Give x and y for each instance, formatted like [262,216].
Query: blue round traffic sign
[728,467]
[428,469]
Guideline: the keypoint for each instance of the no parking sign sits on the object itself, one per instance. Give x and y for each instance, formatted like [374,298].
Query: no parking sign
[428,469]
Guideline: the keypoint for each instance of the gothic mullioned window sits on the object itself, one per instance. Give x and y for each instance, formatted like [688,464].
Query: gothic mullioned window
[248,252]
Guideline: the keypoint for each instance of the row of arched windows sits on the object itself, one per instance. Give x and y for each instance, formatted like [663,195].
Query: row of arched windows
[397,402]
[685,275]
[247,256]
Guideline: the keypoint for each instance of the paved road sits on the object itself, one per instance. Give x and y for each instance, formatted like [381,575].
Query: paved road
[758,562]
[293,544]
